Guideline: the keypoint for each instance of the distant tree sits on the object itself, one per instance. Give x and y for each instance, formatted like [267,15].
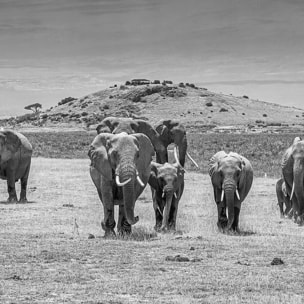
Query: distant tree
[128,83]
[35,107]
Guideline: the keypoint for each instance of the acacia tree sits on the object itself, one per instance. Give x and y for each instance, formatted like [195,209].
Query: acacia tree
[35,107]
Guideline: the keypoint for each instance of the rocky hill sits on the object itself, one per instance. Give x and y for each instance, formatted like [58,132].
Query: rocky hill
[198,108]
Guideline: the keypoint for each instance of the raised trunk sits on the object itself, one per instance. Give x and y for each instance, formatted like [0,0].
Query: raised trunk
[298,179]
[230,197]
[166,213]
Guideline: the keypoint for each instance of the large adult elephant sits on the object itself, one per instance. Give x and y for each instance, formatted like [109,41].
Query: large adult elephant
[167,185]
[231,176]
[120,170]
[15,162]
[116,125]
[293,175]
[283,198]
[173,132]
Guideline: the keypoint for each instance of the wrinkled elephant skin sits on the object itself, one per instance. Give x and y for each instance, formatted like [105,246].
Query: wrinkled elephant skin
[120,170]
[231,176]
[167,185]
[15,162]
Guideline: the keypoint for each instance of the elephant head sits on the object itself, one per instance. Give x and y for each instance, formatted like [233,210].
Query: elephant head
[9,145]
[293,174]
[231,176]
[167,182]
[125,160]
[172,131]
[116,125]
[283,198]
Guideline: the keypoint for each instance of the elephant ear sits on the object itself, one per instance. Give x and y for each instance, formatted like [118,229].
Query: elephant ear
[214,166]
[162,130]
[147,129]
[146,151]
[246,171]
[11,141]
[153,179]
[98,154]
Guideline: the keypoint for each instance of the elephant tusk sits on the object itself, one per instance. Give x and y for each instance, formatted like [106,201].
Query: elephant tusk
[123,183]
[176,157]
[237,194]
[194,162]
[159,210]
[175,195]
[222,196]
[140,181]
[163,194]
[292,190]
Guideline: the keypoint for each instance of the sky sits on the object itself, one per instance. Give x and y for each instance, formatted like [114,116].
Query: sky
[52,49]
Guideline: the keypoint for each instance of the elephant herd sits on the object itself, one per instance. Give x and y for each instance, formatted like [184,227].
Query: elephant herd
[122,165]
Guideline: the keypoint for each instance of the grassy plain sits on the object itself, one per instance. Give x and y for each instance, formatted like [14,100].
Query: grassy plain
[263,150]
[47,257]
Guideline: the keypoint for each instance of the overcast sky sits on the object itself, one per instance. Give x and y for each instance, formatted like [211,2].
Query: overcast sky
[51,49]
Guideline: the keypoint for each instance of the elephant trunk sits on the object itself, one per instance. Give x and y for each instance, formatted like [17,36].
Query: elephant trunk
[298,184]
[230,190]
[169,197]
[128,172]
[182,150]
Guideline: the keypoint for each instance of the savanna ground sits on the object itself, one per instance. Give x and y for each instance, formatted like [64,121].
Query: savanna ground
[46,255]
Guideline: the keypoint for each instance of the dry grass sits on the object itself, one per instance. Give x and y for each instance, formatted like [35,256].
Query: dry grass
[45,258]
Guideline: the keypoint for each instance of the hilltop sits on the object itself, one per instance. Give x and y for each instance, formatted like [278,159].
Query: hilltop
[198,108]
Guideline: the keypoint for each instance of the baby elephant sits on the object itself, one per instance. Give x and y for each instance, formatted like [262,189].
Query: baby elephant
[167,185]
[283,198]
[231,176]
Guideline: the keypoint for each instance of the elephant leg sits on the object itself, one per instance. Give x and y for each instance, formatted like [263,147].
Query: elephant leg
[235,225]
[158,207]
[12,196]
[222,217]
[173,214]
[280,203]
[123,227]
[24,179]
[108,224]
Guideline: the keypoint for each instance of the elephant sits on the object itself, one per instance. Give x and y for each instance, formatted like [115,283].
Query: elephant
[120,170]
[172,131]
[167,186]
[293,174]
[283,198]
[231,176]
[116,125]
[15,162]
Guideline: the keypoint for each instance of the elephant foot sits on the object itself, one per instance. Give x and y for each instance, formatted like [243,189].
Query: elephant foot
[300,220]
[157,227]
[109,234]
[23,200]
[12,199]
[222,224]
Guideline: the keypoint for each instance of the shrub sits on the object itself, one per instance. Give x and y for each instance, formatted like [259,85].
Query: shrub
[128,83]
[66,100]
[264,115]
[181,85]
[209,104]
[223,110]
[84,113]
[245,96]
[106,107]
[243,114]
[156,82]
